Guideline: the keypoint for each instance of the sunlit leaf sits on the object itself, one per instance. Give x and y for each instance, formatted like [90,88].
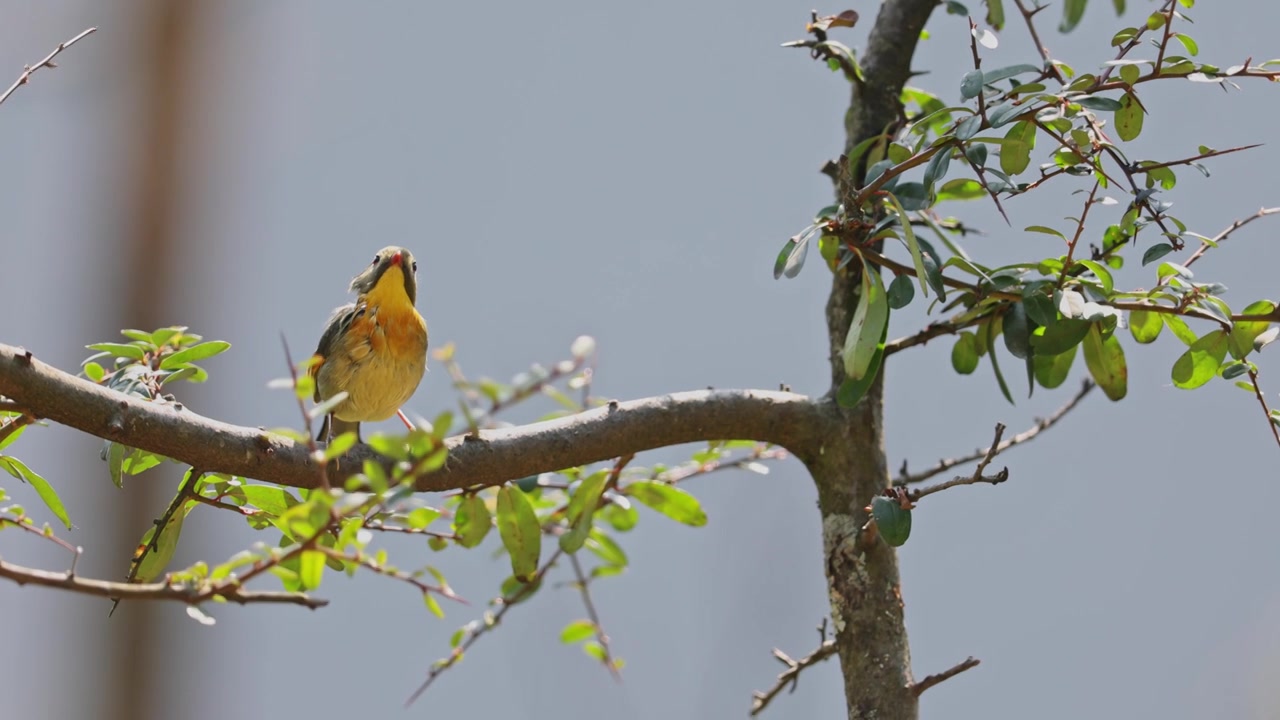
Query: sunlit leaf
[1199,364]
[520,531]
[1105,359]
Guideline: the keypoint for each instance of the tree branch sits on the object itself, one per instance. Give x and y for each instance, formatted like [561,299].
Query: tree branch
[191,595]
[790,676]
[905,478]
[495,456]
[30,70]
[969,663]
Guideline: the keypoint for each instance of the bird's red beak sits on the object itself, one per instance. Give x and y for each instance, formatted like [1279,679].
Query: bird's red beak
[397,259]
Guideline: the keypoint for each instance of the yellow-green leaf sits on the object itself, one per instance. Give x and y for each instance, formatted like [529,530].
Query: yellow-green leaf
[868,324]
[1105,360]
[1129,117]
[521,533]
[1199,364]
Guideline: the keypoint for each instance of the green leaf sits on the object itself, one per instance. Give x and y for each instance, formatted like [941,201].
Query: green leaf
[1045,230]
[310,569]
[1244,332]
[1059,337]
[149,565]
[1101,272]
[901,292]
[851,391]
[1155,252]
[1179,328]
[1002,114]
[909,236]
[1129,117]
[270,499]
[194,354]
[1015,153]
[1199,364]
[961,189]
[1072,11]
[993,76]
[577,631]
[472,521]
[1101,104]
[937,167]
[94,371]
[432,604]
[1039,308]
[995,363]
[892,520]
[1192,47]
[869,321]
[115,462]
[605,548]
[791,258]
[621,514]
[1105,359]
[338,446]
[582,507]
[995,13]
[1017,331]
[521,533]
[1052,370]
[1145,326]
[964,354]
[668,500]
[971,85]
[42,487]
[119,350]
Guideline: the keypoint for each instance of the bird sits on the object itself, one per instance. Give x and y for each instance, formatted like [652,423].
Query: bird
[375,348]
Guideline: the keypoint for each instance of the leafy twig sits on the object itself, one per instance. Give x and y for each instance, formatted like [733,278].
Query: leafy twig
[478,629]
[189,594]
[601,636]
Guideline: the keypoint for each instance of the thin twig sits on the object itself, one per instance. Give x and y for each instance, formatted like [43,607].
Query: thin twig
[1027,16]
[1262,400]
[931,680]
[790,676]
[905,478]
[30,70]
[477,629]
[1236,225]
[314,449]
[189,594]
[601,636]
[975,478]
[13,425]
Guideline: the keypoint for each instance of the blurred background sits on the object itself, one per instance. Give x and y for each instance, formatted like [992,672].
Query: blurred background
[627,171]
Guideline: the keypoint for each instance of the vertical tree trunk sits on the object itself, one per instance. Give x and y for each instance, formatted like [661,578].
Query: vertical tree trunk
[865,594]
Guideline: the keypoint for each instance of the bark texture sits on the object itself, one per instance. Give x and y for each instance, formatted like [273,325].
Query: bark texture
[862,578]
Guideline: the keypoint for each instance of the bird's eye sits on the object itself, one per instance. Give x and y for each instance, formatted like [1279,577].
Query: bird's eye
[415,266]
[375,260]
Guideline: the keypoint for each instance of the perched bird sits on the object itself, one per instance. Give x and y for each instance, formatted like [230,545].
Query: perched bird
[375,348]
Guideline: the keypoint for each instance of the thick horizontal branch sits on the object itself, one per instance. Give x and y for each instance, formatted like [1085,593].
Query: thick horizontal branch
[494,456]
[150,591]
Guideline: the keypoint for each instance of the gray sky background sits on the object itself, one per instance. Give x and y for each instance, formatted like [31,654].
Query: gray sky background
[627,171]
